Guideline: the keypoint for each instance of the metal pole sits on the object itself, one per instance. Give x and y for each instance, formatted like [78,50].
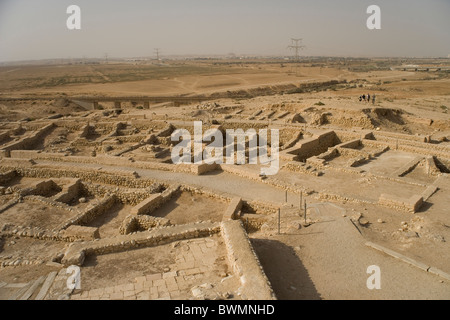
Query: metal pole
[279,220]
[301,196]
[285,198]
[305,211]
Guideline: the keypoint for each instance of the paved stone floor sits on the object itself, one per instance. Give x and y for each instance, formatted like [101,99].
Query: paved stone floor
[193,275]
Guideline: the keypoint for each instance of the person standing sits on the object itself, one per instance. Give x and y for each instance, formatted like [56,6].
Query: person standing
[373,99]
[368,97]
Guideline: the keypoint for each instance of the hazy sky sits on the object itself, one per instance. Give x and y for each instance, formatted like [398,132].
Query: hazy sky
[36,29]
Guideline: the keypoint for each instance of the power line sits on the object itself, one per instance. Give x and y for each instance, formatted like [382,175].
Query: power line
[297,46]
[157,52]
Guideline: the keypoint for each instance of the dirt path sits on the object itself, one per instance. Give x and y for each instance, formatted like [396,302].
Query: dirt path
[329,260]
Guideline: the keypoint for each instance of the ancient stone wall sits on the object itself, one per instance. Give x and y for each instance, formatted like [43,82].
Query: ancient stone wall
[28,142]
[7,176]
[307,148]
[245,263]
[133,223]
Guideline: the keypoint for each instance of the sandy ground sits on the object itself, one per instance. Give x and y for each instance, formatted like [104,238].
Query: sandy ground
[327,260]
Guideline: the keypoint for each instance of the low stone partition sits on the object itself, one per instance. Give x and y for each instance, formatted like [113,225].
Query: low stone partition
[124,195]
[7,176]
[30,154]
[74,233]
[69,192]
[86,131]
[5,136]
[410,146]
[133,223]
[429,192]
[408,167]
[13,162]
[293,141]
[25,156]
[241,171]
[360,157]
[112,177]
[200,169]
[166,132]
[92,212]
[380,135]
[245,263]
[431,167]
[352,144]
[77,251]
[36,233]
[311,166]
[260,207]
[28,141]
[154,201]
[321,160]
[44,188]
[233,209]
[8,205]
[314,146]
[148,205]
[49,202]
[411,205]
[283,114]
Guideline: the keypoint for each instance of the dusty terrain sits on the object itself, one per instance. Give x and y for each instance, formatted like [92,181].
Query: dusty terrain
[374,171]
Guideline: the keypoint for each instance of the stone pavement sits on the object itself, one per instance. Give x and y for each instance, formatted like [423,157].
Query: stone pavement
[196,267]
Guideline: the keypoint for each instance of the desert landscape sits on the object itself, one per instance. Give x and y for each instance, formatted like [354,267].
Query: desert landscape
[87,180]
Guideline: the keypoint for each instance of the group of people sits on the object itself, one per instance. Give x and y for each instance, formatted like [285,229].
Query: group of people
[367,98]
